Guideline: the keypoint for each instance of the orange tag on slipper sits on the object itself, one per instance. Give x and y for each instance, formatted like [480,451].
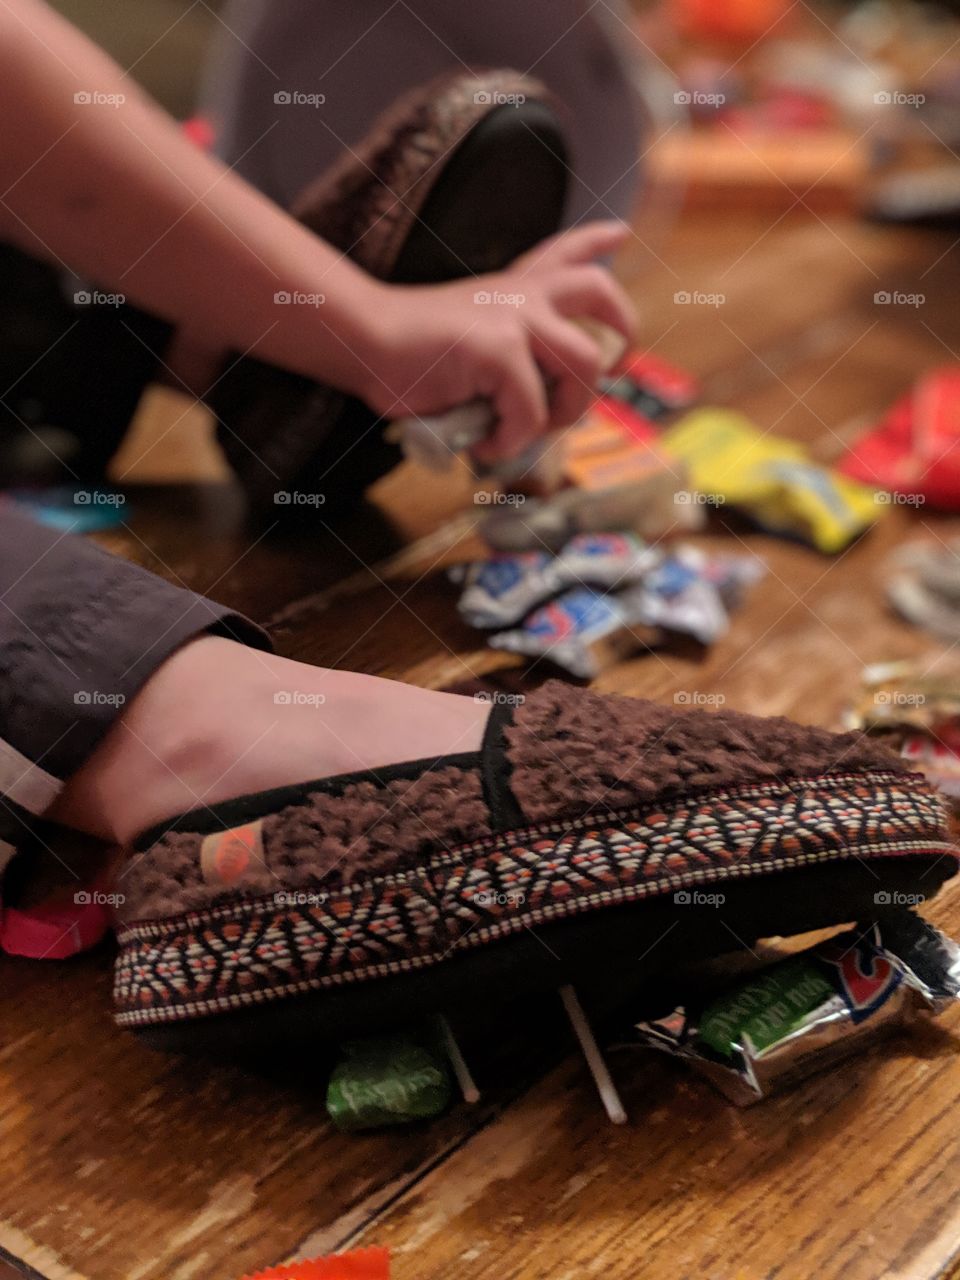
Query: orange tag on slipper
[227,856]
[359,1264]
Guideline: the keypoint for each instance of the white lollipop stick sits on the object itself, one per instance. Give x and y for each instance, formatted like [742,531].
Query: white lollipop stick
[457,1061]
[598,1068]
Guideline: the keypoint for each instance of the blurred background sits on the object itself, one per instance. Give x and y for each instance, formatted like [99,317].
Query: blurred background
[848,96]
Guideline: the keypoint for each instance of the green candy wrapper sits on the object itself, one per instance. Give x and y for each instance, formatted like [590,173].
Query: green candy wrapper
[800,1015]
[386,1081]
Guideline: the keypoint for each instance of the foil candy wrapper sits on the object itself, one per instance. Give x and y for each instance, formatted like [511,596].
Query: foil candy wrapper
[500,591]
[582,631]
[816,1007]
[770,479]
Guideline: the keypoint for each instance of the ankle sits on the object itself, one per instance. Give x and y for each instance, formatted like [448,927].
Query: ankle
[167,746]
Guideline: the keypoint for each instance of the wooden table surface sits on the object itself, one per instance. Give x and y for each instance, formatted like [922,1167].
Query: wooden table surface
[117,1163]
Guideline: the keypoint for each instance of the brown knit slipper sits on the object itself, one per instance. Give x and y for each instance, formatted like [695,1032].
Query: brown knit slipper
[590,836]
[460,177]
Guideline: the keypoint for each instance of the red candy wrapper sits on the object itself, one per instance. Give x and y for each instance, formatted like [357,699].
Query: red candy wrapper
[359,1264]
[651,386]
[915,449]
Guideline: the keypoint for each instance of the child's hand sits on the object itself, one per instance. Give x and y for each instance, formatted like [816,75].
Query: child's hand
[436,347]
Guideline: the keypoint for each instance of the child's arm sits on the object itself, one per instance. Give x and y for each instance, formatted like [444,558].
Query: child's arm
[116,193]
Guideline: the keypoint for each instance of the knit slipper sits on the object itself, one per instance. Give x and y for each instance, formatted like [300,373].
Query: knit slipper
[590,836]
[459,177]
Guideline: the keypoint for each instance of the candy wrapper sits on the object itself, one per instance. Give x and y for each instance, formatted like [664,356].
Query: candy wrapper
[612,446]
[359,1264]
[897,696]
[915,449]
[915,706]
[387,1081]
[503,590]
[692,592]
[802,1014]
[937,760]
[583,630]
[646,507]
[924,586]
[770,479]
[651,386]
[75,510]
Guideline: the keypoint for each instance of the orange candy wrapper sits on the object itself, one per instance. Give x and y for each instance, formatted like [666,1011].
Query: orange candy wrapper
[359,1264]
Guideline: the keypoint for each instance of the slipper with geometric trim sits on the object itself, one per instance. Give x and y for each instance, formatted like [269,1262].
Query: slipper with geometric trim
[590,835]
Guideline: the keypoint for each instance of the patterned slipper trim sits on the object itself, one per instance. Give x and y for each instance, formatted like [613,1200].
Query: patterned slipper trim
[256,950]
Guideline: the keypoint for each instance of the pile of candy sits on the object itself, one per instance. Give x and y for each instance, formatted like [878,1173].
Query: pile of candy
[602,597]
[626,467]
[915,708]
[614,473]
[750,1036]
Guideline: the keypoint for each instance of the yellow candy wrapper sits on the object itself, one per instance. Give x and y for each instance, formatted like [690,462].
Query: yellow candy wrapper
[771,479]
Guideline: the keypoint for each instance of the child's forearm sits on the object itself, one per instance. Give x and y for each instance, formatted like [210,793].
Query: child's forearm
[115,193]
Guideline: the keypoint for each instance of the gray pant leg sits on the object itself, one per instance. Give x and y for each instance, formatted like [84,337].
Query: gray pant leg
[80,632]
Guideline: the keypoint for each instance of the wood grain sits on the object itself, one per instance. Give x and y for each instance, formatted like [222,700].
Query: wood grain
[121,1164]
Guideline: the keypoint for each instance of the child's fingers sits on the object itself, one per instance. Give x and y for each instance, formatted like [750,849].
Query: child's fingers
[592,291]
[574,363]
[522,411]
[583,244]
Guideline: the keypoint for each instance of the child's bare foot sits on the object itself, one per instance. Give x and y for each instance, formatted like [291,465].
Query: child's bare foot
[219,720]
